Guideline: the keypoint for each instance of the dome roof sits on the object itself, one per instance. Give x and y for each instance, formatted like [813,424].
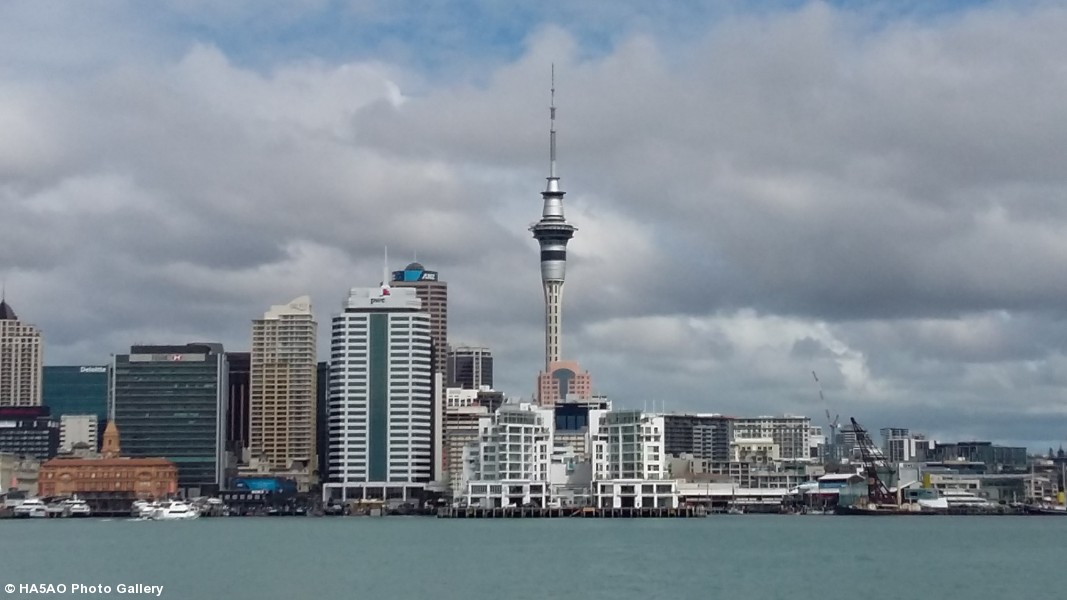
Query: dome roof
[6,312]
[415,267]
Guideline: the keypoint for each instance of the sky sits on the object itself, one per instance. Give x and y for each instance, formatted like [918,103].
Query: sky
[871,191]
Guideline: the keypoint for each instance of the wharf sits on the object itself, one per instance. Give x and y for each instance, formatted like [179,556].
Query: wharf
[474,512]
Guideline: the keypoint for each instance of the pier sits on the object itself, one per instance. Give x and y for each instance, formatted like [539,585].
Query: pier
[476,512]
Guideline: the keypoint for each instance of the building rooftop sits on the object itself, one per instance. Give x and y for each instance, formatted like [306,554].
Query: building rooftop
[6,312]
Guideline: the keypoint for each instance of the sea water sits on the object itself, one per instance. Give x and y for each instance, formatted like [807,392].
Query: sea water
[722,556]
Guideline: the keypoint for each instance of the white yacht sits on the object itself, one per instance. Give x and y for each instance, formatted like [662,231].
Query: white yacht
[74,507]
[174,510]
[143,509]
[949,499]
[33,508]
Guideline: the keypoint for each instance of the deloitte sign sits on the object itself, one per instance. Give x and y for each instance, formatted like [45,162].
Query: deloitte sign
[92,369]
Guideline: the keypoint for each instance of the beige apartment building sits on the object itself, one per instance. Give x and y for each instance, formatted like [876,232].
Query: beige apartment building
[282,386]
[20,360]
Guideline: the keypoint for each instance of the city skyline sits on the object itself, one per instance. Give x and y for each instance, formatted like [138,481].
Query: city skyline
[870,192]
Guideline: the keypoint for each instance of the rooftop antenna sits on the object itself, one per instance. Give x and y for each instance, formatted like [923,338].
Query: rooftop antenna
[552,128]
[385,268]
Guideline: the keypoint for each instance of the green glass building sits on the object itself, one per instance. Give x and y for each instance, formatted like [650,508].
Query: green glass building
[171,402]
[80,390]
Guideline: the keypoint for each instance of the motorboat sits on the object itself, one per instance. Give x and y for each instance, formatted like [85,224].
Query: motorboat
[174,510]
[143,509]
[31,508]
[73,507]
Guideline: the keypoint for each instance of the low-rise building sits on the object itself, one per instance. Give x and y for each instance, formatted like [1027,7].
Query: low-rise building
[19,473]
[109,474]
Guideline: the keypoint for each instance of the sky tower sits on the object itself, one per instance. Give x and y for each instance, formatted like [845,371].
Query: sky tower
[553,232]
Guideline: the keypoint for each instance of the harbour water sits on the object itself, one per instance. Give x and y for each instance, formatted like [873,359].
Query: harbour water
[751,557]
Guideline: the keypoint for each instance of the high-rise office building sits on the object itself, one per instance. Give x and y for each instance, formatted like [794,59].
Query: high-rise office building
[20,360]
[171,402]
[552,233]
[239,367]
[283,383]
[469,367]
[433,293]
[381,400]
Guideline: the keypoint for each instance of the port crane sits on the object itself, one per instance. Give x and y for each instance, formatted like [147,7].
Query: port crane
[873,461]
[831,442]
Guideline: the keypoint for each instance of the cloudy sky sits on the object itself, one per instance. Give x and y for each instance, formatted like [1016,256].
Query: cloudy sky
[874,191]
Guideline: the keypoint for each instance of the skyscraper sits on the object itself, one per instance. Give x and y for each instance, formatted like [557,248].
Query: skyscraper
[433,293]
[282,387]
[552,233]
[20,360]
[171,401]
[381,402]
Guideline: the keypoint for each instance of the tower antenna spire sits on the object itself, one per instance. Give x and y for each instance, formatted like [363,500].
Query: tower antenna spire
[552,127]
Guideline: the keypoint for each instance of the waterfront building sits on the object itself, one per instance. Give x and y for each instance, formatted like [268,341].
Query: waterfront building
[77,429]
[19,474]
[509,463]
[628,445]
[108,475]
[469,367]
[28,431]
[238,401]
[791,433]
[20,360]
[704,436]
[461,429]
[552,233]
[76,390]
[381,397]
[282,390]
[563,381]
[170,401]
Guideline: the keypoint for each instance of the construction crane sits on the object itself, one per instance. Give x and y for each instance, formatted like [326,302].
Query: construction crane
[831,442]
[873,462]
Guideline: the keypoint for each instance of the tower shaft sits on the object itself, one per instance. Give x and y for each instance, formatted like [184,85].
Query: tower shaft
[552,233]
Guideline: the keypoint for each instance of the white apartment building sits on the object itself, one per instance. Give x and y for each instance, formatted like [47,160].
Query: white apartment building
[628,444]
[381,404]
[509,464]
[791,433]
[75,429]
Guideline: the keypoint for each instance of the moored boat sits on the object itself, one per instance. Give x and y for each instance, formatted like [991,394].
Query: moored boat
[31,508]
